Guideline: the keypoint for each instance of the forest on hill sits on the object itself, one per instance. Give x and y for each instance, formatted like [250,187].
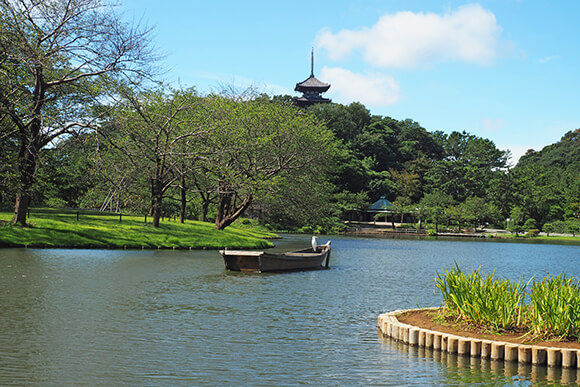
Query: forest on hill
[85,124]
[448,180]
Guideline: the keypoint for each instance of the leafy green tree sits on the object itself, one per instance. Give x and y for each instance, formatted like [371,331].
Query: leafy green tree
[478,211]
[256,150]
[379,142]
[58,52]
[548,228]
[345,121]
[517,215]
[349,203]
[408,183]
[469,166]
[547,183]
[517,229]
[574,228]
[154,132]
[530,224]
[436,206]
[66,171]
[402,206]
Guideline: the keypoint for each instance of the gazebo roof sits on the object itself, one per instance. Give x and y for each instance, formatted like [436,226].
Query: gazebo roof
[380,205]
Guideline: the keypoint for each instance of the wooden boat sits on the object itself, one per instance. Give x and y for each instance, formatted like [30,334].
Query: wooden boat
[262,261]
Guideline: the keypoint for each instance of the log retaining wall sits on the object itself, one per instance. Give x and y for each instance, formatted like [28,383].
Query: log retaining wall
[390,326]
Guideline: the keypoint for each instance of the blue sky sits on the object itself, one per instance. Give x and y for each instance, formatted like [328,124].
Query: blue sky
[507,70]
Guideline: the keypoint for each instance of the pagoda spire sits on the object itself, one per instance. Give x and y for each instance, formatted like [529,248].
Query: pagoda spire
[312,62]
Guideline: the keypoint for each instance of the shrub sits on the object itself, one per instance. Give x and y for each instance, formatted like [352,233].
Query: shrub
[533,232]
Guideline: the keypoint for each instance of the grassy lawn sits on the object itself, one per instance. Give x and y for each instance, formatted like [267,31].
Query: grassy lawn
[60,229]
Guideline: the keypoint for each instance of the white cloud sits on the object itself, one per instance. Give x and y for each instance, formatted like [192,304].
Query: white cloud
[492,125]
[375,90]
[409,40]
[547,59]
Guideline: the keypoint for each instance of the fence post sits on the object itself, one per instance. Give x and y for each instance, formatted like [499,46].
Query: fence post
[145,218]
[120,216]
[78,214]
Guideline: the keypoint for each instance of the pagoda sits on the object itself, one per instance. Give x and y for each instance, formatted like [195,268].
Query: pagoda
[311,89]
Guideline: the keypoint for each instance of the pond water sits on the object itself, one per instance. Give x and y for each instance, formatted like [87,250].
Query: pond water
[101,317]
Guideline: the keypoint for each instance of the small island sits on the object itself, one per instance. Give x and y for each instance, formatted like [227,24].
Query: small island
[488,318]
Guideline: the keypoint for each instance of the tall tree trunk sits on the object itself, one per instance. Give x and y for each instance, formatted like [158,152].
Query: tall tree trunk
[204,210]
[156,199]
[27,160]
[227,211]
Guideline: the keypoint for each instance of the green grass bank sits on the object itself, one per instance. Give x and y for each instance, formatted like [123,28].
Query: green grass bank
[85,229]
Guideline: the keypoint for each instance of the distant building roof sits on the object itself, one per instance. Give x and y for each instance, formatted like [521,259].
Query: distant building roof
[312,84]
[380,205]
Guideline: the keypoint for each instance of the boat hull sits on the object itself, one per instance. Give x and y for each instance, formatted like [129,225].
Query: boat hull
[260,261]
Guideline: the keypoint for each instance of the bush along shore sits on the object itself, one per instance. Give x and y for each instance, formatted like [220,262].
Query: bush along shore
[49,229]
[546,309]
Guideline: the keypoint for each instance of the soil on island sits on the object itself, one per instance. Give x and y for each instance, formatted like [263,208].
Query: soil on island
[425,318]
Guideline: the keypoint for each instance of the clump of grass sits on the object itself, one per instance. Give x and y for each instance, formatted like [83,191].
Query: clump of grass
[483,300]
[555,308]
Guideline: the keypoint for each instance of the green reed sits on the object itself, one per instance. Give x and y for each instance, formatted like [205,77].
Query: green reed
[555,308]
[484,300]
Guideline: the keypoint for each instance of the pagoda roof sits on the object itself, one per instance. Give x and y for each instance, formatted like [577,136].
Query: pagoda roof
[309,100]
[312,84]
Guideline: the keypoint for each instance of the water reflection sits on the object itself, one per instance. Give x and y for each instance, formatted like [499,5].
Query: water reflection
[473,370]
[178,318]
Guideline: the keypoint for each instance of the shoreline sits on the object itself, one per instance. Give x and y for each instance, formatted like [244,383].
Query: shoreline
[482,235]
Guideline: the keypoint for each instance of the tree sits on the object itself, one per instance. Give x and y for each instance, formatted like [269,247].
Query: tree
[435,205]
[477,210]
[54,54]
[402,205]
[530,224]
[156,132]
[548,228]
[468,168]
[256,149]
[517,229]
[345,121]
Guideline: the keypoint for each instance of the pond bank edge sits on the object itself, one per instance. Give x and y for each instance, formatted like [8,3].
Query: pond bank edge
[390,326]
